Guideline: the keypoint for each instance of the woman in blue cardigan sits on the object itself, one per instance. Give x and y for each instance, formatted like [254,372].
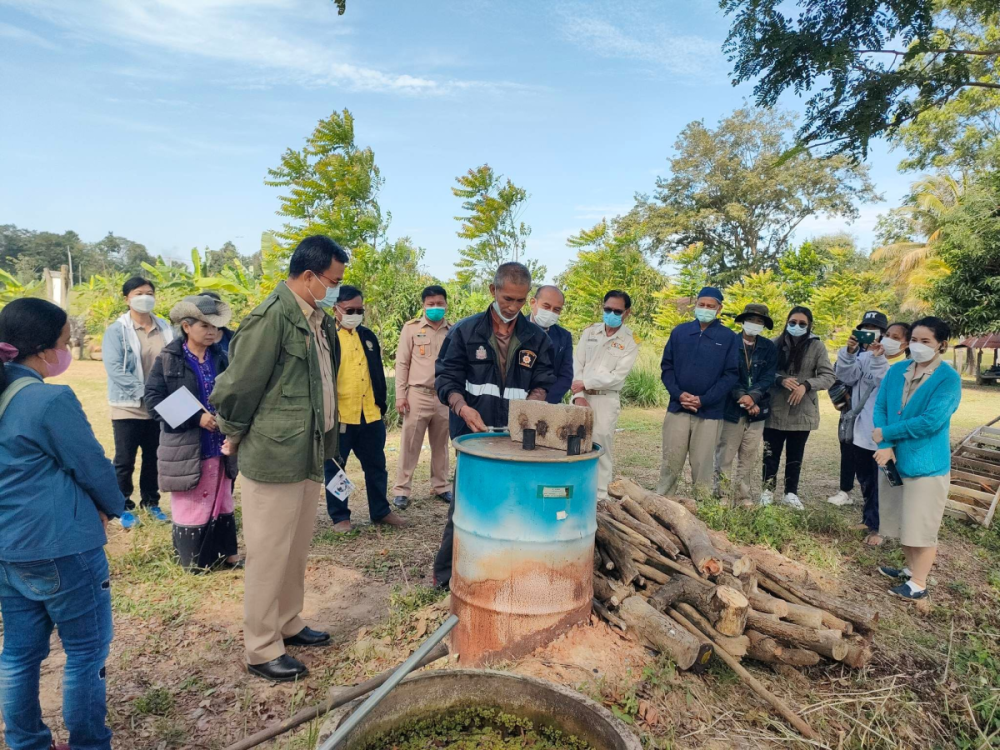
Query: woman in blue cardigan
[912,420]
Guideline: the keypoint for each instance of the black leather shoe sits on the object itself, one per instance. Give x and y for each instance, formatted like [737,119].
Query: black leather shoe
[308,637]
[446,497]
[283,669]
[401,502]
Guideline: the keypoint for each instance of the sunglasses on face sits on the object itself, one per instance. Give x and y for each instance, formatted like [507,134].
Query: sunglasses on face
[613,311]
[353,310]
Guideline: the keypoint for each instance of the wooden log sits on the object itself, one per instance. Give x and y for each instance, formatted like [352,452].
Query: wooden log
[639,520]
[693,533]
[725,608]
[615,549]
[660,633]
[615,489]
[828,643]
[745,569]
[607,519]
[806,616]
[606,561]
[863,618]
[608,617]
[735,647]
[728,579]
[765,649]
[779,591]
[832,622]
[859,652]
[790,716]
[598,562]
[768,604]
[610,591]
[652,574]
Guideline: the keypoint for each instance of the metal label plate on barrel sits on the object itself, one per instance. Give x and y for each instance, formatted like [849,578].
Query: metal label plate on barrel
[549,493]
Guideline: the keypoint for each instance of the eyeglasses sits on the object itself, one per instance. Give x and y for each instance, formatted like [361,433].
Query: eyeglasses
[353,310]
[614,311]
[324,278]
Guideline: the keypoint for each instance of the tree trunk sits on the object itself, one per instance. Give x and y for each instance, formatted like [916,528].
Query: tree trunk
[618,551]
[647,526]
[693,533]
[661,633]
[829,643]
[652,574]
[725,608]
[736,647]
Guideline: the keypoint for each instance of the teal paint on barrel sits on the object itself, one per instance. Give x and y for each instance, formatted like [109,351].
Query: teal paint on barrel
[522,571]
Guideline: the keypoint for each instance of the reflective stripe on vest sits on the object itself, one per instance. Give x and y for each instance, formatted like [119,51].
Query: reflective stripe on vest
[490,389]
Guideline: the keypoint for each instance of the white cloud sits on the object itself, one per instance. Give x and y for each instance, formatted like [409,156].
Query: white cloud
[635,31]
[9,31]
[257,36]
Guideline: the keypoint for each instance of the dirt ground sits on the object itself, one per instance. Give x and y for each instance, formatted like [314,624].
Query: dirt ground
[176,679]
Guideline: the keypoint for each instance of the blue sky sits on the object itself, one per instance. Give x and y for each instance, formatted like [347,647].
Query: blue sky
[158,119]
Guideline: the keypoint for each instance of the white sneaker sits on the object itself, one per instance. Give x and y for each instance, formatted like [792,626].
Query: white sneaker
[841,498]
[766,497]
[792,501]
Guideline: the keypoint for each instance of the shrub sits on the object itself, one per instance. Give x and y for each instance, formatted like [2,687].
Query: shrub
[642,386]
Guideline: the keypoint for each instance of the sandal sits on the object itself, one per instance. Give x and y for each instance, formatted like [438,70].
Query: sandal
[870,540]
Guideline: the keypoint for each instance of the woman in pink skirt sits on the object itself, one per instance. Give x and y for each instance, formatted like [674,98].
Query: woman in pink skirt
[189,460]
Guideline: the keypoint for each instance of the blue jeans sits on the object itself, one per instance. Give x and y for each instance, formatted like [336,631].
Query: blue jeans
[367,442]
[74,594]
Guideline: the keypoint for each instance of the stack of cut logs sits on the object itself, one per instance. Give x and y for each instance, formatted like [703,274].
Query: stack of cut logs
[663,578]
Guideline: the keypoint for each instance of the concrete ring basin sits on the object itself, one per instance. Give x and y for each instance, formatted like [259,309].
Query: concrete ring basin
[442,692]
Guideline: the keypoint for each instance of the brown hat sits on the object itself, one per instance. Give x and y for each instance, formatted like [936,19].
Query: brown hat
[756,309]
[201,307]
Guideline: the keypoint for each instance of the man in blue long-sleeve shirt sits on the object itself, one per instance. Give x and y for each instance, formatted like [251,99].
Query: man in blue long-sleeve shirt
[699,369]
[546,307]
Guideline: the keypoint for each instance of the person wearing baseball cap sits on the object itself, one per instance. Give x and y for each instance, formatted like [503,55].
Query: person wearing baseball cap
[875,322]
[747,405]
[699,369]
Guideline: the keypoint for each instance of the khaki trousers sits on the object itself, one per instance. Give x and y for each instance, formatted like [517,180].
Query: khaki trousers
[278,525]
[738,440]
[688,436]
[427,415]
[606,409]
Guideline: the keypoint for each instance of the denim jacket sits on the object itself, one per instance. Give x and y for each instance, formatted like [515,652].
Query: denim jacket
[126,381]
[54,476]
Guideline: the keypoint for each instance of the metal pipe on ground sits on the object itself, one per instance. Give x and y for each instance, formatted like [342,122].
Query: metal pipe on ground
[342,698]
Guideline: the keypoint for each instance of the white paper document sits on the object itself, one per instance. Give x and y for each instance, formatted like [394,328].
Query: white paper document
[340,486]
[178,407]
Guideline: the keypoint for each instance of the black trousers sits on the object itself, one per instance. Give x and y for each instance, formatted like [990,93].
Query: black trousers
[367,442]
[794,443]
[847,468]
[130,436]
[442,562]
[867,470]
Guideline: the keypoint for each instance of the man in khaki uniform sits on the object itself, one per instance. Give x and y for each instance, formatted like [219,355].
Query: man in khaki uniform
[603,358]
[277,406]
[417,401]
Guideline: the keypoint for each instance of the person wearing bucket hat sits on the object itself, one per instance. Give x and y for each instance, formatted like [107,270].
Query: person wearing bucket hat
[875,323]
[699,368]
[190,462]
[748,404]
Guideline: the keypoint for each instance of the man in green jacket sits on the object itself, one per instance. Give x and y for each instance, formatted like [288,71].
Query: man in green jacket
[277,407]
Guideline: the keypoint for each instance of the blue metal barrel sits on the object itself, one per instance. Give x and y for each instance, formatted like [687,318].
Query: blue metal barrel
[522,570]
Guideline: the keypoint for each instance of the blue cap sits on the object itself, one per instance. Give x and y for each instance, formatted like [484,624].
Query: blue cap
[710,291]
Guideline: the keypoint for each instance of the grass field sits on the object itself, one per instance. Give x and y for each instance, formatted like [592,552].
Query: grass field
[175,675]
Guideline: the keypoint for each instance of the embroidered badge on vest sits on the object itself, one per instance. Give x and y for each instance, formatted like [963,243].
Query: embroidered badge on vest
[528,358]
[481,353]
[371,346]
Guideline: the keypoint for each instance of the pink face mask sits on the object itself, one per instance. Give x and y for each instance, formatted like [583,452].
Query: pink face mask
[62,363]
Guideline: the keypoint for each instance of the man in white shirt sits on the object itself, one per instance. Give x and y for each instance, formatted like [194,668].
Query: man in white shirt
[603,358]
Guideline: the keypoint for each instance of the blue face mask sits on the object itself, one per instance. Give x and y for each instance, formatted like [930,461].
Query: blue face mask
[796,330]
[705,314]
[612,320]
[434,314]
[329,299]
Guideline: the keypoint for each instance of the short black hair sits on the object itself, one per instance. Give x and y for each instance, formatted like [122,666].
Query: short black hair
[349,292]
[940,329]
[619,294]
[31,325]
[434,290]
[315,254]
[134,283]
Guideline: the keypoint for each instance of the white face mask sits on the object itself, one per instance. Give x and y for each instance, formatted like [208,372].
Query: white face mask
[892,347]
[142,303]
[352,321]
[546,318]
[753,329]
[921,352]
[504,318]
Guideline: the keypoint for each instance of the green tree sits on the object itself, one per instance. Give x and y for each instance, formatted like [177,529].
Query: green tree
[332,187]
[806,267]
[114,253]
[491,224]
[391,281]
[873,65]
[840,302]
[606,260]
[763,288]
[969,296]
[737,192]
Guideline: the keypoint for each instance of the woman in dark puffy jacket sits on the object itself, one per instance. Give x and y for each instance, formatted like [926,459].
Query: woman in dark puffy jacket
[189,460]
